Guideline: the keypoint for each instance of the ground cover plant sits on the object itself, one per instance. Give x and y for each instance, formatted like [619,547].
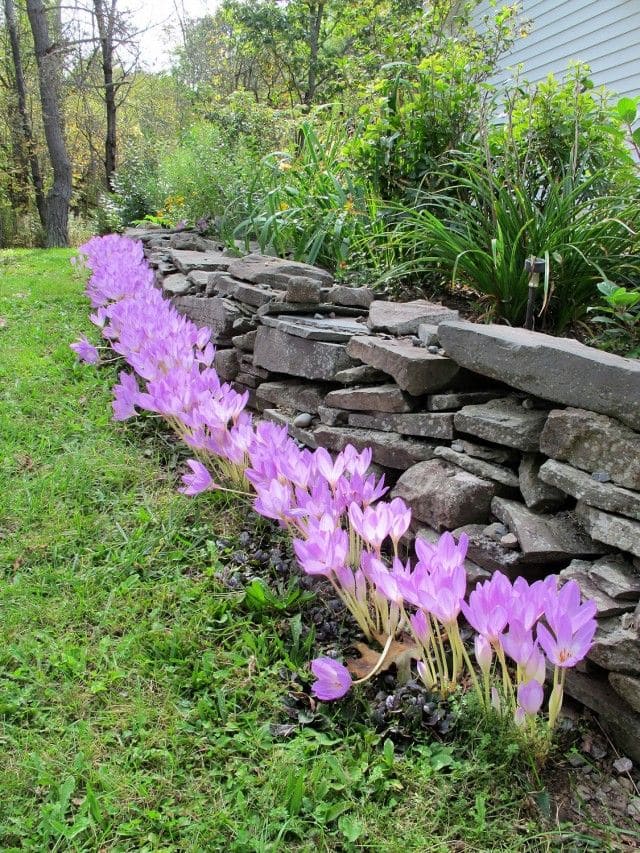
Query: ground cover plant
[149,641]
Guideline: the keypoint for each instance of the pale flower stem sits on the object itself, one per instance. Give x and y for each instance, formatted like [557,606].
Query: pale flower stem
[507,685]
[472,672]
[379,663]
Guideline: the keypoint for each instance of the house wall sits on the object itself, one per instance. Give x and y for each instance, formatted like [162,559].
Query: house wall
[603,33]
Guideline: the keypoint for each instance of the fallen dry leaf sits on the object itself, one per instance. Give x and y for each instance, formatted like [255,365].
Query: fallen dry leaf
[400,653]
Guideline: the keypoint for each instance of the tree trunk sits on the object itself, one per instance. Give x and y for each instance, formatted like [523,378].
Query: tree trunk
[59,196]
[105,18]
[25,121]
[316,14]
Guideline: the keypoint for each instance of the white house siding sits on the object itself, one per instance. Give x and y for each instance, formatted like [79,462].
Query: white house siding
[603,33]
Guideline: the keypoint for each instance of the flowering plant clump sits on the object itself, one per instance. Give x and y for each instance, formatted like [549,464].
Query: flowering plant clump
[333,509]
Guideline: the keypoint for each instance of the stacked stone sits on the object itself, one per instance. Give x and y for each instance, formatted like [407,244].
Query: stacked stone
[527,443]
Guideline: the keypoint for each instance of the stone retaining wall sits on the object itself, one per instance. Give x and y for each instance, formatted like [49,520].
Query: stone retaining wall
[528,443]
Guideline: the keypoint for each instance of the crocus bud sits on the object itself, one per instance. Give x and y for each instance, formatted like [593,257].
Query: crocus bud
[483,652]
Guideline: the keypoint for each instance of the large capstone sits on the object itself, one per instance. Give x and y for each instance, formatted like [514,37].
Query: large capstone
[558,369]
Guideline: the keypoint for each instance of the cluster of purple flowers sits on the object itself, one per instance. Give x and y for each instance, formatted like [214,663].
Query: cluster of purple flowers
[333,509]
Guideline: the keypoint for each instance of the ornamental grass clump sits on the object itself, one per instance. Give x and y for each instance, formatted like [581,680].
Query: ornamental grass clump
[334,512]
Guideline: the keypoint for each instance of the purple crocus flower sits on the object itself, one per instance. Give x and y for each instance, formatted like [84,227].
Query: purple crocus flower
[333,680]
[200,480]
[567,647]
[489,606]
[85,351]
[530,697]
[126,397]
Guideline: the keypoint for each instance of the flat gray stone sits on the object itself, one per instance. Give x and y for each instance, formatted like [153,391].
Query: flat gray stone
[614,530]
[485,470]
[379,398]
[177,285]
[488,452]
[617,717]
[278,307]
[353,297]
[414,369]
[595,443]
[389,449]
[616,576]
[188,241]
[558,369]
[404,318]
[454,400]
[331,329]
[277,272]
[187,261]
[553,536]
[581,486]
[218,283]
[252,294]
[627,687]
[578,571]
[423,424]
[360,375]
[245,342]
[284,353]
[428,334]
[217,313]
[226,364]
[616,648]
[443,496]
[333,417]
[503,421]
[539,494]
[291,395]
[200,280]
[303,289]
[490,553]
[304,436]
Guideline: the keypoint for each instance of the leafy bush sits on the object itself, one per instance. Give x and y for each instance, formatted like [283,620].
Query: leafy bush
[417,112]
[135,191]
[619,319]
[309,204]
[556,129]
[479,231]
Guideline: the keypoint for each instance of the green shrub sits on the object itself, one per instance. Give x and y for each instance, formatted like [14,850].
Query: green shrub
[556,129]
[418,112]
[479,231]
[309,204]
[135,193]
[618,319]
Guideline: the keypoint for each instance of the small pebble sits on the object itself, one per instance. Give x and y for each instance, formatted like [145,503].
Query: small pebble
[303,420]
[623,765]
[509,540]
[458,446]
[577,760]
[433,349]
[528,404]
[601,476]
[318,316]
[416,342]
[598,752]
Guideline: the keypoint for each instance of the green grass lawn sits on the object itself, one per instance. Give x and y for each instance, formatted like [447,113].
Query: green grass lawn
[137,690]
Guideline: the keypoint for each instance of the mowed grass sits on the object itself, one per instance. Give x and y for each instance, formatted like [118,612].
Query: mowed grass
[137,690]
